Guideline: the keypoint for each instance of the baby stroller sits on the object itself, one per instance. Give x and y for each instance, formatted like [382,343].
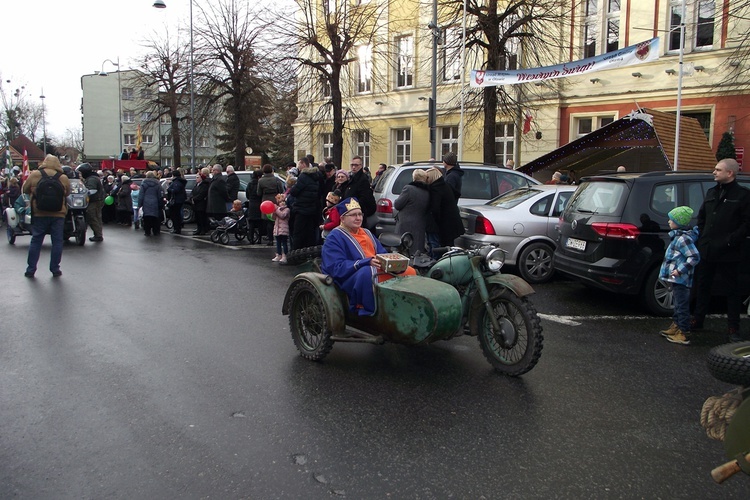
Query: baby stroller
[233,223]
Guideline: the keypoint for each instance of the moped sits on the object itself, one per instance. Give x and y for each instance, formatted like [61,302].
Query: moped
[462,293]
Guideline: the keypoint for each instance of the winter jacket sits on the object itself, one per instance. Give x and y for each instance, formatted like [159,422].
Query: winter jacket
[94,183]
[281,221]
[124,201]
[305,192]
[268,187]
[453,178]
[29,187]
[135,193]
[199,196]
[253,200]
[218,196]
[359,187]
[444,211]
[413,205]
[233,186]
[176,191]
[723,222]
[681,255]
[151,198]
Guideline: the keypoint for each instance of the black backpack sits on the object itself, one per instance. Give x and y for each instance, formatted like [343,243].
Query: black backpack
[49,193]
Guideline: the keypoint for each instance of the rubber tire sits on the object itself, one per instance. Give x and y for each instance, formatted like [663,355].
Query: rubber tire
[540,255]
[169,223]
[188,213]
[224,238]
[730,363]
[526,350]
[214,236]
[11,235]
[308,322]
[80,235]
[656,295]
[239,235]
[303,255]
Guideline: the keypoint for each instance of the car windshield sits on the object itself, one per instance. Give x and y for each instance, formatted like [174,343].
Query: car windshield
[599,197]
[513,197]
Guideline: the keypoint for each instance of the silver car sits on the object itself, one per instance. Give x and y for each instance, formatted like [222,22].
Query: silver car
[523,222]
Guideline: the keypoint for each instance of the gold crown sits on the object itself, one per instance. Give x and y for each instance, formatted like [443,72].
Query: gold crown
[353,204]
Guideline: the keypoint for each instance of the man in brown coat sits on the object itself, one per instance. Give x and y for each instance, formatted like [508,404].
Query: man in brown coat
[44,222]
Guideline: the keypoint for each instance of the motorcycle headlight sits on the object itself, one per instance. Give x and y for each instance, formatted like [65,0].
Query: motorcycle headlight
[77,202]
[495,259]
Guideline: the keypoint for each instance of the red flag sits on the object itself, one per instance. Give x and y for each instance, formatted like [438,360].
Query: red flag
[25,171]
[527,123]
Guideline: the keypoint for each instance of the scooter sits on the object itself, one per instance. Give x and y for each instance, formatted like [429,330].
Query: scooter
[462,293]
[75,218]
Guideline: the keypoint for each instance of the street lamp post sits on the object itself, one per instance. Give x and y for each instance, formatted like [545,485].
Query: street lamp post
[159,4]
[119,96]
[44,124]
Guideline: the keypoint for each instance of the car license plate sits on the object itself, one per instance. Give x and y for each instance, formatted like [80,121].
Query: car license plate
[575,244]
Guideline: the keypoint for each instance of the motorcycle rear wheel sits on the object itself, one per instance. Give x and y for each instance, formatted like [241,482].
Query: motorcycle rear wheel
[520,352]
[308,322]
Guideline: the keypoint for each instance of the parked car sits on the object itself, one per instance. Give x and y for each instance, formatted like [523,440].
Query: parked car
[481,183]
[614,231]
[523,222]
[188,213]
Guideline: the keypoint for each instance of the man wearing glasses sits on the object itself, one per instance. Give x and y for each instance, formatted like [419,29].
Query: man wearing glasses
[359,188]
[347,257]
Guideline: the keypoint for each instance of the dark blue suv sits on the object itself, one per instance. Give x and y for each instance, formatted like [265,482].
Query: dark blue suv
[614,231]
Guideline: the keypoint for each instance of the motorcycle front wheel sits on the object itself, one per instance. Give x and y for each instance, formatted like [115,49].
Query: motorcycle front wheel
[80,234]
[517,348]
[308,322]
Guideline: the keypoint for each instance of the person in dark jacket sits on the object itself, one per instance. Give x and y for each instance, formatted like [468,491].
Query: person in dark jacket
[233,185]
[443,209]
[151,200]
[96,200]
[177,196]
[359,187]
[268,187]
[306,206]
[453,173]
[723,224]
[413,205]
[199,199]
[124,203]
[218,196]
[254,216]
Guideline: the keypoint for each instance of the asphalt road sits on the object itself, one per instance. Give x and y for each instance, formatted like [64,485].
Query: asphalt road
[163,368]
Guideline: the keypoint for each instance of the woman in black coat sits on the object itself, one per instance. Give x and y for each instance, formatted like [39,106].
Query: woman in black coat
[254,216]
[177,196]
[444,209]
[124,203]
[199,199]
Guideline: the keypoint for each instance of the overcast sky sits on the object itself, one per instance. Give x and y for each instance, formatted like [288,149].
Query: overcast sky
[50,44]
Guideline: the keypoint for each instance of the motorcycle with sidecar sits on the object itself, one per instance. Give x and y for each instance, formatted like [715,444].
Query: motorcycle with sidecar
[462,293]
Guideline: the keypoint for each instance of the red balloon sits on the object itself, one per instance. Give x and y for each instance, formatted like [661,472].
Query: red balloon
[267,207]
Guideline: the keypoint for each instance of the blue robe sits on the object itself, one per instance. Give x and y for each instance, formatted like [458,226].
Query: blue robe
[345,261]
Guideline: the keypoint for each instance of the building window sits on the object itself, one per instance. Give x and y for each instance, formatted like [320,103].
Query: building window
[128,117]
[127,94]
[145,94]
[129,139]
[362,141]
[166,140]
[402,141]
[146,116]
[509,59]
[587,124]
[202,142]
[364,68]
[505,135]
[404,61]
[598,14]
[448,140]
[327,142]
[148,139]
[451,53]
[700,34]
[704,119]
[166,162]
[165,119]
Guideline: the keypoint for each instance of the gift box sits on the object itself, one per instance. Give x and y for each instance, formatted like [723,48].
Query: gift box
[392,262]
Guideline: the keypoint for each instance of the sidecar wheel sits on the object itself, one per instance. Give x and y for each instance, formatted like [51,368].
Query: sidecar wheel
[730,363]
[517,352]
[308,322]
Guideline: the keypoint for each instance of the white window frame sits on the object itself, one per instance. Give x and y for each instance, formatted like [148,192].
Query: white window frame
[450,52]
[402,145]
[404,61]
[364,69]
[693,10]
[449,141]
[326,144]
[601,18]
[147,139]
[505,142]
[597,121]
[166,140]
[165,120]
[361,140]
[128,139]
[128,116]
[166,161]
[202,141]
[128,94]
[145,93]
[146,116]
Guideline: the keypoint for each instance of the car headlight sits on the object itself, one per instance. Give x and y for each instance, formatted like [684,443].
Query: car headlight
[495,259]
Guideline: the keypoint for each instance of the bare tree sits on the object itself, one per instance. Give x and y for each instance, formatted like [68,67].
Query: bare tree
[503,35]
[21,116]
[322,44]
[230,39]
